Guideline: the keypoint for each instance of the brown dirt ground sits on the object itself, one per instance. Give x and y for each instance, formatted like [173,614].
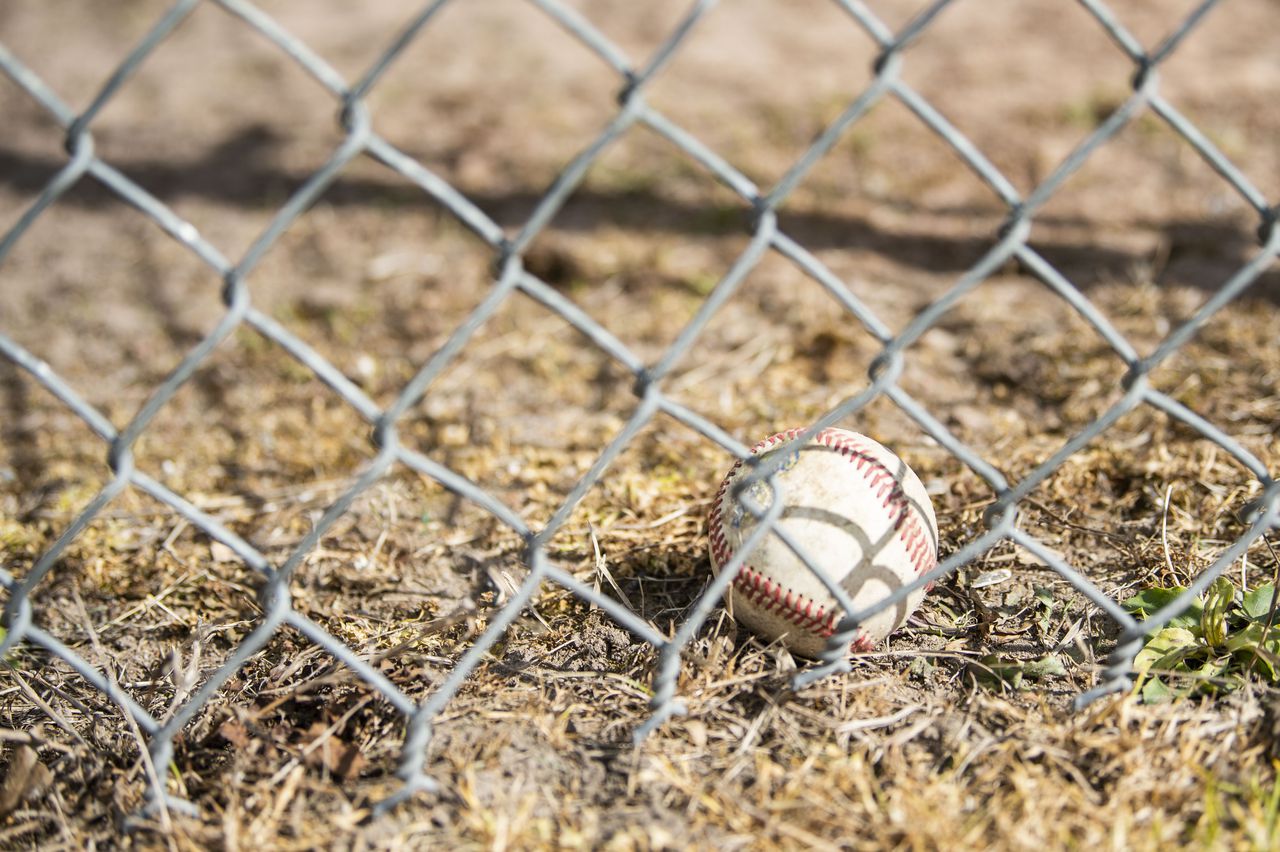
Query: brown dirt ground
[908,750]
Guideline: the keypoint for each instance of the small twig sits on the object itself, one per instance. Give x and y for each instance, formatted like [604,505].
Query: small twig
[33,739]
[663,521]
[32,822]
[166,823]
[44,705]
[1071,525]
[602,569]
[154,600]
[878,722]
[167,546]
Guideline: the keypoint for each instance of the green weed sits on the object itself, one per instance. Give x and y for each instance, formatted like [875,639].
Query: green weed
[1225,637]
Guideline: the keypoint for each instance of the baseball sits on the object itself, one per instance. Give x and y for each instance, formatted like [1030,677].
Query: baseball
[856,510]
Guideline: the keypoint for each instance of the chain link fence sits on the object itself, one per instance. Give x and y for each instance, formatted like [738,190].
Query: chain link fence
[511,281]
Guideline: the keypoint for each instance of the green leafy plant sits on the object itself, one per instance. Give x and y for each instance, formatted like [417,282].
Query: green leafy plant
[1214,646]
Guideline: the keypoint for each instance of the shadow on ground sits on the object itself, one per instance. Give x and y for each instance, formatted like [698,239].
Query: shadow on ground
[243,171]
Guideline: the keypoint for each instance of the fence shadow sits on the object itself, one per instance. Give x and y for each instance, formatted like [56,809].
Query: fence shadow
[1202,253]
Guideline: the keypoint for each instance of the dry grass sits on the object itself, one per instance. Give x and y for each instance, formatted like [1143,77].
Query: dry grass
[916,748]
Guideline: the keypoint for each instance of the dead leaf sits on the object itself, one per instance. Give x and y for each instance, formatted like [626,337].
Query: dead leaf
[26,779]
[341,758]
[234,732]
[219,552]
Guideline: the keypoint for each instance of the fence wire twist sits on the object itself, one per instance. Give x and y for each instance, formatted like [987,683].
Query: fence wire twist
[511,278]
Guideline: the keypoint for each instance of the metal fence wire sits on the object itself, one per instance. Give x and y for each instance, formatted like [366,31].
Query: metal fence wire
[511,278]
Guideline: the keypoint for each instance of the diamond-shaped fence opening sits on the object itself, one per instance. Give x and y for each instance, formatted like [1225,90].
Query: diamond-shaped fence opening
[514,69]
[239,154]
[415,448]
[816,93]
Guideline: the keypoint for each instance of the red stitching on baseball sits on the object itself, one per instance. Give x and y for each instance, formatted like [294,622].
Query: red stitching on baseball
[890,492]
[806,614]
[801,611]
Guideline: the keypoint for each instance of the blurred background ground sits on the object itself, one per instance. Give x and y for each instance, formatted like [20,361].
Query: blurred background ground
[914,748]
